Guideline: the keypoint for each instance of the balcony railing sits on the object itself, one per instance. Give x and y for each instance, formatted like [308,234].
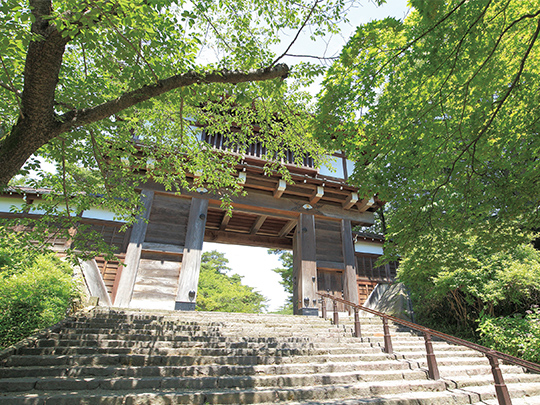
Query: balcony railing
[255,149]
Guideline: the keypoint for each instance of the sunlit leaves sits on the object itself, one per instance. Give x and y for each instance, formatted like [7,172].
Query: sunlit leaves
[441,110]
[114,47]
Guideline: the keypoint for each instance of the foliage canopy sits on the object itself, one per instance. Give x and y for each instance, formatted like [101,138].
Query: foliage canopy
[441,113]
[80,80]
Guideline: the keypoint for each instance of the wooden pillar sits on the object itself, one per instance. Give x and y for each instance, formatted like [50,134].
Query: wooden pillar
[305,267]
[191,260]
[350,287]
[296,273]
[133,253]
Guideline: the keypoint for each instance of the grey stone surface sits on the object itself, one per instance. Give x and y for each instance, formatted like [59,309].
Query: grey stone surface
[172,357]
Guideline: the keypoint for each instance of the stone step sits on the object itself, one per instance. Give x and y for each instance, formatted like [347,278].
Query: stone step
[131,357]
[443,357]
[218,343]
[127,315]
[143,360]
[263,333]
[199,321]
[209,343]
[224,396]
[206,382]
[205,319]
[239,333]
[183,351]
[421,355]
[531,400]
[487,381]
[133,337]
[474,396]
[437,347]
[458,364]
[204,370]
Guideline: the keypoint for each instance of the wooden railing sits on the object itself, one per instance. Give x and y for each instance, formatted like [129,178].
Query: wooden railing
[433,372]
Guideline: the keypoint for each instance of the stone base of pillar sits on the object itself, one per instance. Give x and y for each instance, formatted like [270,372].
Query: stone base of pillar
[308,311]
[184,306]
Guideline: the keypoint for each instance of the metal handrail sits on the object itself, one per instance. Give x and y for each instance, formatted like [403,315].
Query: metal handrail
[433,372]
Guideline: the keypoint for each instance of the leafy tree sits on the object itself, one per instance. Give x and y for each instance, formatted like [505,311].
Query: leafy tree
[285,309]
[440,112]
[456,281]
[217,291]
[286,272]
[81,80]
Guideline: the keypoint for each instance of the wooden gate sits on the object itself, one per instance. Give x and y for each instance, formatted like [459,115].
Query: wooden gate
[330,282]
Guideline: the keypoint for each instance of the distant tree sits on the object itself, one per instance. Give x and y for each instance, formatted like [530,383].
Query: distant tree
[286,273]
[218,291]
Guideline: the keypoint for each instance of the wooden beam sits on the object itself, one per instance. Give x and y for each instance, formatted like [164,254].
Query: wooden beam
[162,248]
[281,186]
[261,182]
[279,207]
[255,210]
[225,221]
[244,240]
[94,281]
[330,265]
[262,202]
[365,204]
[287,228]
[133,253]
[317,195]
[351,200]
[191,260]
[257,224]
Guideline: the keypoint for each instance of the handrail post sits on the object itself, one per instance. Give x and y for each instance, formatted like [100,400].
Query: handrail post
[433,369]
[387,338]
[323,307]
[357,331]
[336,315]
[500,387]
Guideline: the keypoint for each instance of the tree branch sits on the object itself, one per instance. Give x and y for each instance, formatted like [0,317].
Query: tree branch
[139,54]
[312,56]
[88,115]
[418,38]
[499,104]
[297,33]
[5,86]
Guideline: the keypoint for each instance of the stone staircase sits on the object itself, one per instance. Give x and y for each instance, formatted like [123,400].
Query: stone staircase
[133,357]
